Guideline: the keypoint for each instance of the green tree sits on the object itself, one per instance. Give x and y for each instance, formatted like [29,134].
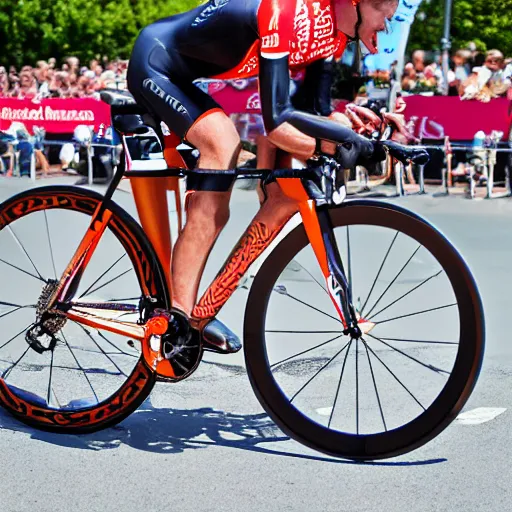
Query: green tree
[39,29]
[486,22]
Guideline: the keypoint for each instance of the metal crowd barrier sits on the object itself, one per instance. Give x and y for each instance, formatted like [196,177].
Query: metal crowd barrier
[89,147]
[488,164]
[396,169]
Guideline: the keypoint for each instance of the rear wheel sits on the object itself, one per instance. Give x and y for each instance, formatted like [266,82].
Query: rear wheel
[411,372]
[81,379]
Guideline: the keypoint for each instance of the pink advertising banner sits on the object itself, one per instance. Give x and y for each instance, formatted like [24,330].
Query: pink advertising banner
[53,114]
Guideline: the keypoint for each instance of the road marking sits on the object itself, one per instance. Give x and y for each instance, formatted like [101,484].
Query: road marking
[473,417]
[480,415]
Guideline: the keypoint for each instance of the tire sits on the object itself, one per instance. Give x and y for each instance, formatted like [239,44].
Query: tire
[75,418]
[443,409]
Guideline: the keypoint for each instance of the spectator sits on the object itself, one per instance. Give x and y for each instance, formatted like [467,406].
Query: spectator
[27,85]
[409,78]
[460,72]
[487,81]
[41,160]
[4,82]
[6,155]
[25,150]
[418,61]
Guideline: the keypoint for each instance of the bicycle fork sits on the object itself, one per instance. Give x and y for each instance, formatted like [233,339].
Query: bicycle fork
[319,230]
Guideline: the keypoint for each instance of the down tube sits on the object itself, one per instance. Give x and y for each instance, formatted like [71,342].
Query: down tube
[251,245]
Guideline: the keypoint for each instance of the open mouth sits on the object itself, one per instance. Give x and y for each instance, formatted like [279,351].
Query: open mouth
[371,43]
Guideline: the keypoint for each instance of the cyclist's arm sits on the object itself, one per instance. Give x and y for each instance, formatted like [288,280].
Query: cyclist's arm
[276,24]
[313,95]
[277,108]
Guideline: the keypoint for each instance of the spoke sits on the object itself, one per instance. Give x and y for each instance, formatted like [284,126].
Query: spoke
[8,371]
[286,294]
[21,270]
[357,386]
[17,307]
[394,376]
[349,263]
[393,282]
[15,336]
[378,273]
[50,381]
[405,294]
[414,314]
[104,353]
[25,251]
[305,332]
[111,281]
[375,387]
[435,369]
[2,303]
[422,341]
[12,311]
[50,243]
[80,366]
[102,275]
[323,367]
[312,277]
[339,385]
[305,351]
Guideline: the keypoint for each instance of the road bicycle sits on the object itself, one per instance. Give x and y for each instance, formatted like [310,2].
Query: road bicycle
[363,330]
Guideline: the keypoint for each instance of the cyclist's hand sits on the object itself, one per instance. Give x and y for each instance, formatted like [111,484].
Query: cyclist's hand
[364,120]
[400,132]
[329,148]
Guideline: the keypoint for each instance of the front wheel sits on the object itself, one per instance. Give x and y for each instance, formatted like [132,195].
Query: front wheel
[415,366]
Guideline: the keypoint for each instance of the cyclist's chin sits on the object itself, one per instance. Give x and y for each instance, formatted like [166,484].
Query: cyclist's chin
[369,44]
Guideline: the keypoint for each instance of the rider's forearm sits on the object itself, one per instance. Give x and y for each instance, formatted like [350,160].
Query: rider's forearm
[277,108]
[287,138]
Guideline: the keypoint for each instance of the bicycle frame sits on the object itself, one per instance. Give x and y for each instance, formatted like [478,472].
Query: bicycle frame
[151,202]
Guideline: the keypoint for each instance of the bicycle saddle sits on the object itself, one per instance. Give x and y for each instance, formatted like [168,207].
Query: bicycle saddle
[121,102]
[116,97]
[415,154]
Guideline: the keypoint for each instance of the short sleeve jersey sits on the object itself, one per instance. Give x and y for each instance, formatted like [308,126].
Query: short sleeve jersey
[303,29]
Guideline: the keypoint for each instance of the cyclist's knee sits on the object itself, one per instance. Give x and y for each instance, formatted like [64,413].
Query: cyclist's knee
[216,138]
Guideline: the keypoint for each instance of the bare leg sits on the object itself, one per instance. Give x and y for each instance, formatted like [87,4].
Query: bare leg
[42,161]
[207,212]
[266,159]
[278,208]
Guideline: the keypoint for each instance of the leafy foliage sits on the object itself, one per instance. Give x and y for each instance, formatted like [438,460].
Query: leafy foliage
[486,22]
[39,29]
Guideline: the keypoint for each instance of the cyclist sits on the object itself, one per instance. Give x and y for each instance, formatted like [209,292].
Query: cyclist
[228,39]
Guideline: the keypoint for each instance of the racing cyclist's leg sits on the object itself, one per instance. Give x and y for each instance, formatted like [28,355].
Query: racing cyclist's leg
[286,139]
[197,118]
[218,142]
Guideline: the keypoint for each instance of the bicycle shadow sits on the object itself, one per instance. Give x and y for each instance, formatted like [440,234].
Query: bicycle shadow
[172,431]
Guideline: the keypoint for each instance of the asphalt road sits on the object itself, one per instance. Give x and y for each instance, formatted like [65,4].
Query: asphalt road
[206,445]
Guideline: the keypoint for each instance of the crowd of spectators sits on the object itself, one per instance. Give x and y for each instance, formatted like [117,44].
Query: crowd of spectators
[472,74]
[71,80]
